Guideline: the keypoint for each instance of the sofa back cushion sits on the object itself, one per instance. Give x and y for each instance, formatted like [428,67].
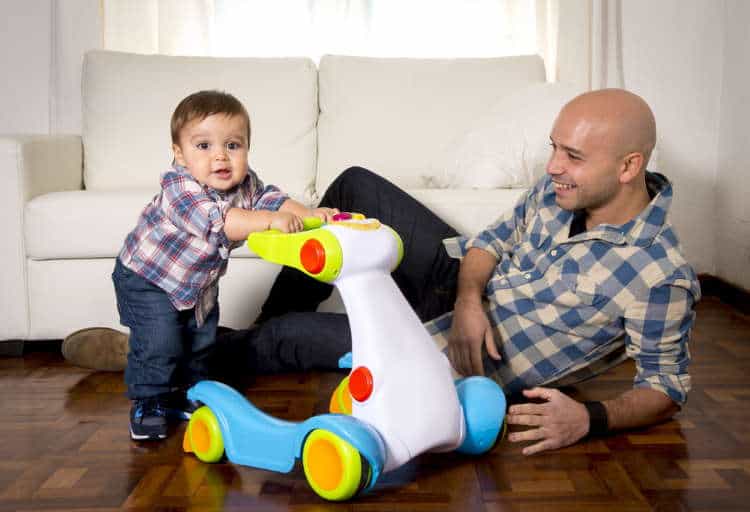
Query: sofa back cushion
[128,101]
[394,115]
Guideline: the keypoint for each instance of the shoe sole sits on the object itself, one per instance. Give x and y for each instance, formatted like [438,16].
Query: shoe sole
[146,437]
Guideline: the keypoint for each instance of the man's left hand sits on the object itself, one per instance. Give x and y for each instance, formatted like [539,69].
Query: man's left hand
[559,420]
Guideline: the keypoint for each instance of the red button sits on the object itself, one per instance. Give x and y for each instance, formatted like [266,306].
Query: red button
[342,216]
[312,255]
[360,383]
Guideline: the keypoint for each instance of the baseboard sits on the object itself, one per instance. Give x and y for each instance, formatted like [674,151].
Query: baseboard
[11,348]
[738,298]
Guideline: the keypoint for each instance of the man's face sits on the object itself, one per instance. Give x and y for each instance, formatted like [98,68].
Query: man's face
[584,162]
[214,150]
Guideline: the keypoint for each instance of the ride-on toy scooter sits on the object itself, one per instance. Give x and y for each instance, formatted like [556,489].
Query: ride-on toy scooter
[399,400]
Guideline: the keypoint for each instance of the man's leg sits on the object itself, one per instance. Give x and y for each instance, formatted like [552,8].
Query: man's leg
[427,276]
[298,341]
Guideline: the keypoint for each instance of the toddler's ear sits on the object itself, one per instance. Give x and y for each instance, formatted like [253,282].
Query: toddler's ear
[178,156]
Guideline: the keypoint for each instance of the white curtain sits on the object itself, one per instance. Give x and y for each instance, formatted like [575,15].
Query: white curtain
[581,41]
[383,28]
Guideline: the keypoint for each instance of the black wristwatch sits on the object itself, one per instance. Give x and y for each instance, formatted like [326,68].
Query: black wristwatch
[598,421]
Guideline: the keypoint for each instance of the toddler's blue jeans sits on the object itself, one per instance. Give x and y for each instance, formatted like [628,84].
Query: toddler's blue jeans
[168,350]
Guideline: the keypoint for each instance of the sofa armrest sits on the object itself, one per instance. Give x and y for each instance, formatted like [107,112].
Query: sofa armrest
[31,165]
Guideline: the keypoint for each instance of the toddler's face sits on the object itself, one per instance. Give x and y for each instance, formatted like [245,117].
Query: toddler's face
[214,150]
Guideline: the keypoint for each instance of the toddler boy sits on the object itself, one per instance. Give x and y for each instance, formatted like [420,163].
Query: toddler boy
[166,275]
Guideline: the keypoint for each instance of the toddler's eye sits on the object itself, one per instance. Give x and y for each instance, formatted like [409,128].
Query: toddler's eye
[234,145]
[202,145]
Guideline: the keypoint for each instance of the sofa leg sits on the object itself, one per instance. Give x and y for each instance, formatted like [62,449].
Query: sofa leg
[11,348]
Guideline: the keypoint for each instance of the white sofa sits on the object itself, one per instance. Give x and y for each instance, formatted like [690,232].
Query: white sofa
[69,200]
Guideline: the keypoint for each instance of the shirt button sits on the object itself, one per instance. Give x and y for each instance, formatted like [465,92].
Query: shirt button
[527,276]
[554,252]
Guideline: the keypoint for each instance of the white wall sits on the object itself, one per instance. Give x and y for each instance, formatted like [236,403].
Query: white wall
[25,58]
[732,183]
[672,57]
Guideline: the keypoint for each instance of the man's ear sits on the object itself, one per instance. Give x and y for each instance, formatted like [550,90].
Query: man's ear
[631,167]
[178,156]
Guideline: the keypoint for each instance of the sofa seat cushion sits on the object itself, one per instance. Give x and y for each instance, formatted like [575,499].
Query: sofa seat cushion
[85,224]
[88,224]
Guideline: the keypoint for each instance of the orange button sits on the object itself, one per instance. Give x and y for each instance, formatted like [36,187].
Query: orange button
[360,383]
[312,255]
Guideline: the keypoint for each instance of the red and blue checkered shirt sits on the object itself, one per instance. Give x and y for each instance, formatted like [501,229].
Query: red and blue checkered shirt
[564,307]
[179,242]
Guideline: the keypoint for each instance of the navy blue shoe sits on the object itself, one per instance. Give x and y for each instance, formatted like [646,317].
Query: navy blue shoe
[148,419]
[179,407]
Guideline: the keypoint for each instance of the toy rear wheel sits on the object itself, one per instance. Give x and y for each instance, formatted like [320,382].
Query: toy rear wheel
[203,435]
[334,468]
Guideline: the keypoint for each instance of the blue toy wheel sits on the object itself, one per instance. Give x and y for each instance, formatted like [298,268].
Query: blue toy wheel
[484,404]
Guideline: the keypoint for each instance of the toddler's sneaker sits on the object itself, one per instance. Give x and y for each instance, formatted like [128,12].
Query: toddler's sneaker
[180,407]
[148,419]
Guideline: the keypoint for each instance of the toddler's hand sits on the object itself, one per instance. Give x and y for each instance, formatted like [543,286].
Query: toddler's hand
[325,214]
[285,222]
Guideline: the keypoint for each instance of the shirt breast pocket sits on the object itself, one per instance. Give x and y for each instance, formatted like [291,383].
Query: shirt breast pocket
[573,290]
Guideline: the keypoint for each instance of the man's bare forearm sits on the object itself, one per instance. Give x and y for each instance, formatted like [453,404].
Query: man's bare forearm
[476,269]
[639,407]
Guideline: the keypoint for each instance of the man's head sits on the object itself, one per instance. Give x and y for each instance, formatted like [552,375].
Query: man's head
[601,142]
[211,137]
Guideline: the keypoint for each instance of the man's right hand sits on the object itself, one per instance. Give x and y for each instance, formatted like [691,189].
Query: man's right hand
[469,330]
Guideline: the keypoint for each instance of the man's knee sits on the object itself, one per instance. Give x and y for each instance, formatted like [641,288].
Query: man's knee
[354,177]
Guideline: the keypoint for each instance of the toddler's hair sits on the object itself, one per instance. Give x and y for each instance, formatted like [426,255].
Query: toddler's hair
[202,104]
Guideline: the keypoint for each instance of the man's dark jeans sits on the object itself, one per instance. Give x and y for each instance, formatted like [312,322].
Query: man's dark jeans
[290,336]
[167,348]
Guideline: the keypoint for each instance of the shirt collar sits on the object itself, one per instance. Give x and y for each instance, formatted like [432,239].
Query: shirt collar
[641,230]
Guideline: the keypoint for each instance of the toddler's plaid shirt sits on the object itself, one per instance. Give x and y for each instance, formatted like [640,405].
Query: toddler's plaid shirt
[562,306]
[179,242]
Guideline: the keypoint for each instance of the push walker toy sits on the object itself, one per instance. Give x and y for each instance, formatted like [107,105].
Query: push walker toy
[400,399]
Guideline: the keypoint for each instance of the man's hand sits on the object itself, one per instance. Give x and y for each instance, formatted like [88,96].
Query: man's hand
[285,222]
[469,330]
[324,214]
[560,421]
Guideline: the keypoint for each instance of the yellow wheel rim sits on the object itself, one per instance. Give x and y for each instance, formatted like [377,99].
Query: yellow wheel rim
[333,467]
[204,433]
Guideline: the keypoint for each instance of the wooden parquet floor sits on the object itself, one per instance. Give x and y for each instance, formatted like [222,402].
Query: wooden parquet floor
[64,445]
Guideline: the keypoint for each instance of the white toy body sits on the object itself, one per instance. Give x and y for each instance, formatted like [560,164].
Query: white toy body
[413,403]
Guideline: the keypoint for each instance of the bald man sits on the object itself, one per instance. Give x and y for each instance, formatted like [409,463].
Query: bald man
[603,272]
[583,272]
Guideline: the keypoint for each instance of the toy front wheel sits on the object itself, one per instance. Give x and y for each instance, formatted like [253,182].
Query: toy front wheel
[484,404]
[203,436]
[334,469]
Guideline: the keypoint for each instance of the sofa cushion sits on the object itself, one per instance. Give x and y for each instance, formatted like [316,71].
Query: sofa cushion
[394,115]
[85,223]
[89,224]
[128,101]
[468,210]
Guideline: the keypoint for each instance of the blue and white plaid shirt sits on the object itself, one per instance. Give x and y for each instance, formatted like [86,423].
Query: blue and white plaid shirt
[179,242]
[564,307]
